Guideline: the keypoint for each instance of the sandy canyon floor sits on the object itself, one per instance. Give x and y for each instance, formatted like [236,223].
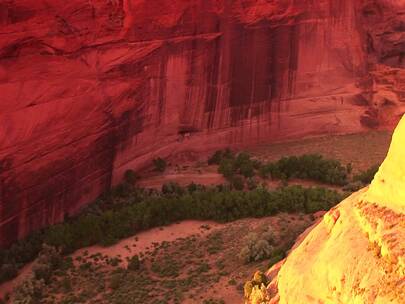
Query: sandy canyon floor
[191,261]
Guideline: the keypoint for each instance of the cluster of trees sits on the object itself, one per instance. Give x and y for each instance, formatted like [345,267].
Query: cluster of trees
[309,166]
[107,222]
[234,167]
[366,177]
[240,169]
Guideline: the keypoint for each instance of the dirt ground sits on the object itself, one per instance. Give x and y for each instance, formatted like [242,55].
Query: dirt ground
[190,244]
[189,262]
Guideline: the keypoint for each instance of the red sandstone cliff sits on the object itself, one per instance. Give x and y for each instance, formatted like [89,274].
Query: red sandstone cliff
[90,88]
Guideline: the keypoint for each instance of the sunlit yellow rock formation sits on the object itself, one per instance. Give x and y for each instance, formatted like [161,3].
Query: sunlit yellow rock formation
[388,187]
[356,254]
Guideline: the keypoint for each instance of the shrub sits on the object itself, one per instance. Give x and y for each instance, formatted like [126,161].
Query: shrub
[8,271]
[227,168]
[29,292]
[366,177]
[172,188]
[247,169]
[192,187]
[49,259]
[242,164]
[245,165]
[256,249]
[160,164]
[353,187]
[115,281]
[349,168]
[216,158]
[275,259]
[320,199]
[276,256]
[130,177]
[308,166]
[134,263]
[66,284]
[266,170]
[314,167]
[252,183]
[238,183]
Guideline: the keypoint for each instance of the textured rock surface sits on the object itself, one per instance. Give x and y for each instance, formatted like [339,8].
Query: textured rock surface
[90,88]
[357,253]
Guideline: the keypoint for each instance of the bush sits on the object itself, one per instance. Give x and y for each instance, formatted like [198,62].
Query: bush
[134,263]
[216,158]
[353,187]
[311,166]
[219,155]
[349,168]
[238,183]
[49,259]
[8,271]
[130,177]
[245,165]
[227,168]
[267,170]
[242,164]
[257,248]
[366,177]
[160,164]
[247,169]
[192,187]
[252,183]
[115,281]
[29,292]
[275,258]
[172,188]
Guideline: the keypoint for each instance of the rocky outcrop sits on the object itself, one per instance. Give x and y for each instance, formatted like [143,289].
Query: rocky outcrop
[357,253]
[90,88]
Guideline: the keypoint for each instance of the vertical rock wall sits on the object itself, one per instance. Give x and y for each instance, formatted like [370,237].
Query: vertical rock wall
[91,88]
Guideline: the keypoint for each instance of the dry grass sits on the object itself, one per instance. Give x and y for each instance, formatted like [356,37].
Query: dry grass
[362,150]
[200,268]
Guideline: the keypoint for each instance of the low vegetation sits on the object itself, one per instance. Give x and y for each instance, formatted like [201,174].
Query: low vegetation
[257,247]
[241,170]
[160,164]
[366,177]
[312,167]
[195,268]
[128,210]
[130,177]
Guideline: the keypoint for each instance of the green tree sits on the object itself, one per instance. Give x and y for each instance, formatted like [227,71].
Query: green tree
[130,177]
[160,164]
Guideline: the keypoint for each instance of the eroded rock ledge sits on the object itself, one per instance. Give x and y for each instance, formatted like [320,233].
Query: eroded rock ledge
[356,253]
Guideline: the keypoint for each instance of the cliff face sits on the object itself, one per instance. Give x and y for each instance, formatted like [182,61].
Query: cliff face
[356,254]
[92,88]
